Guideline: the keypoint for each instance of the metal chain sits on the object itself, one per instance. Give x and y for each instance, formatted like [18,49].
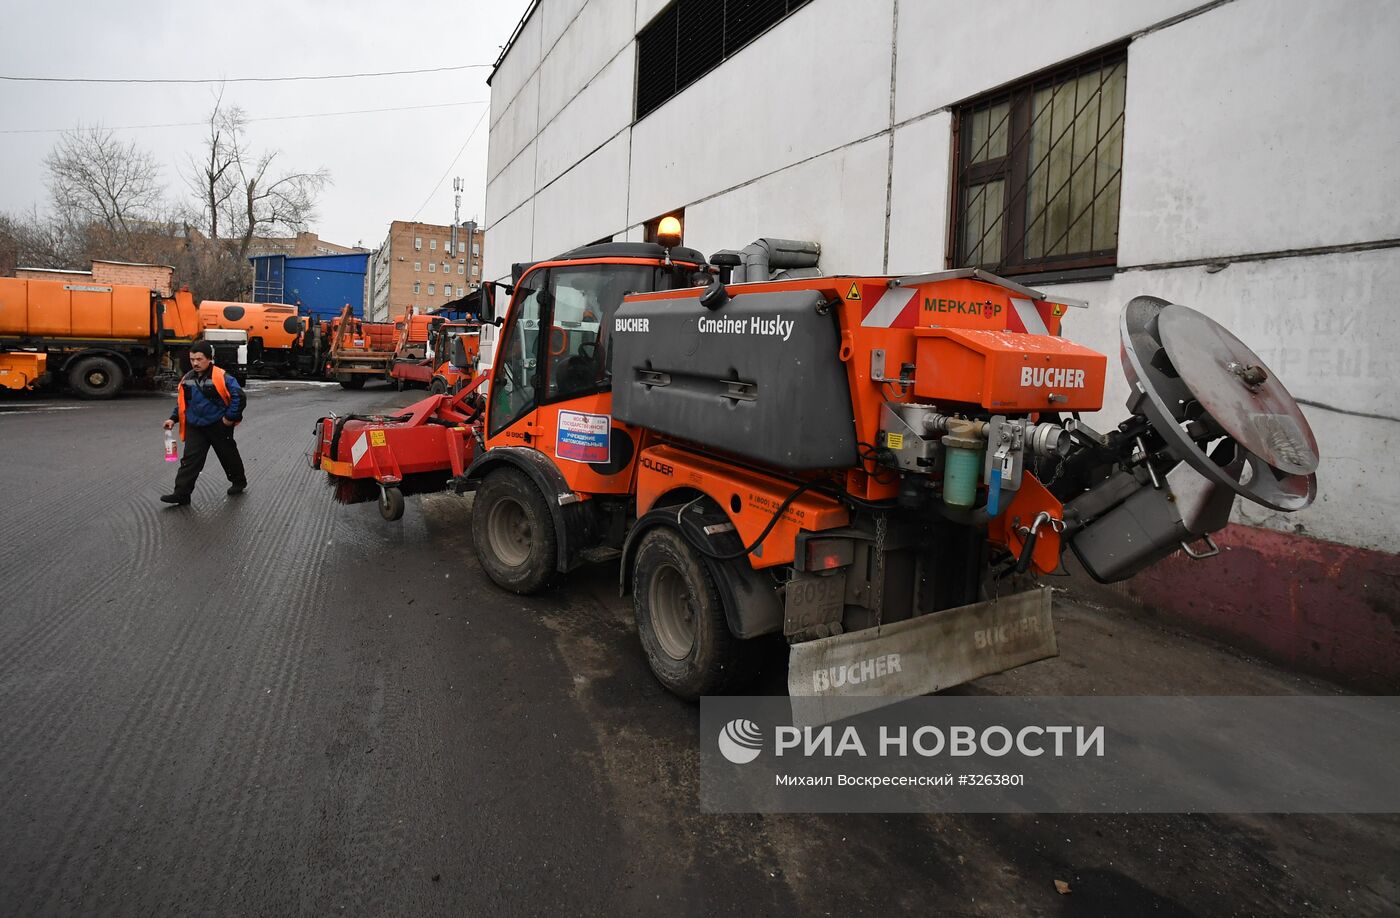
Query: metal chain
[881,525]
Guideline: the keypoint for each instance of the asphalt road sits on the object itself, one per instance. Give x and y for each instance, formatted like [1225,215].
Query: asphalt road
[273,704]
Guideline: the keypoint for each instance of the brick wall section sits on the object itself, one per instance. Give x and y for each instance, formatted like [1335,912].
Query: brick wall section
[159,278]
[155,277]
[300,246]
[1312,605]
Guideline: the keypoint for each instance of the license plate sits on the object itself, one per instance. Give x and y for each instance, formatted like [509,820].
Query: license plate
[927,654]
[812,600]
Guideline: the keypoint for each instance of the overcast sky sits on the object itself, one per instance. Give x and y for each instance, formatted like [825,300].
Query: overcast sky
[384,166]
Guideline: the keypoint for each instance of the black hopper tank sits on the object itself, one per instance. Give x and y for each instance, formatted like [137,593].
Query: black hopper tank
[759,377]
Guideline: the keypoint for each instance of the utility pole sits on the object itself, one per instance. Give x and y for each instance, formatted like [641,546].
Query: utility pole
[457,187]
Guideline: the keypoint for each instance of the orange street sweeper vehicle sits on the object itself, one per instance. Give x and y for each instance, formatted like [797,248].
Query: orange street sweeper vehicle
[876,468]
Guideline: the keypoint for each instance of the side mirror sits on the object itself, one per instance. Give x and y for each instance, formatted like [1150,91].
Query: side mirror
[459,352]
[488,302]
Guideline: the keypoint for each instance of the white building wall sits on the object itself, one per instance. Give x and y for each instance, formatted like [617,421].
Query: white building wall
[951,50]
[1255,129]
[591,39]
[602,109]
[785,98]
[1286,140]
[845,187]
[584,203]
[513,130]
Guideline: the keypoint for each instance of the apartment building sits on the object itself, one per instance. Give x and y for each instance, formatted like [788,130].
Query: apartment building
[424,266]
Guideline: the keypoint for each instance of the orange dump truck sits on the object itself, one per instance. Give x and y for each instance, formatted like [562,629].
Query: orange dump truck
[281,341]
[94,337]
[412,332]
[354,355]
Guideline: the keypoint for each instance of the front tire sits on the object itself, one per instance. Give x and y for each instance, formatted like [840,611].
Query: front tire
[96,377]
[391,504]
[513,532]
[681,621]
[438,386]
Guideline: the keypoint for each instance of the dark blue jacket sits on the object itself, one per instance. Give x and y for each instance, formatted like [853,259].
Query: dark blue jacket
[203,406]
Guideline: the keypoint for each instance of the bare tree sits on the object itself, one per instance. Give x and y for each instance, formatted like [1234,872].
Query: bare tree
[275,201]
[212,173]
[33,239]
[241,194]
[96,178]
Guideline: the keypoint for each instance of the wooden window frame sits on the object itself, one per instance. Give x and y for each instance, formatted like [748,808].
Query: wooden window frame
[1014,169]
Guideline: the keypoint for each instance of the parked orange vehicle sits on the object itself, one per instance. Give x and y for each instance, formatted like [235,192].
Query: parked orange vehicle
[354,357]
[448,357]
[281,341]
[876,468]
[95,337]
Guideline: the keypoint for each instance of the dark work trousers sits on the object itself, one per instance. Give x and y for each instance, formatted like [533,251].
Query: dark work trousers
[198,440]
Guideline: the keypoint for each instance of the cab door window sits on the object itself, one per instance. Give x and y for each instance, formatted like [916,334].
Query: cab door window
[515,384]
[583,301]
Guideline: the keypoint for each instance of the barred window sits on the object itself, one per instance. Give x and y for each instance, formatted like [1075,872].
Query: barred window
[1039,170]
[690,38]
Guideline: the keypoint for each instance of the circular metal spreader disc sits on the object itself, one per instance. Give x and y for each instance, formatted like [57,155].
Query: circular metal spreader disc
[1237,390]
[1185,367]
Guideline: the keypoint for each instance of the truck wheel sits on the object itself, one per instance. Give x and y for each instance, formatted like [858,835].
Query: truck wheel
[438,387]
[96,377]
[680,620]
[349,381]
[391,504]
[513,532]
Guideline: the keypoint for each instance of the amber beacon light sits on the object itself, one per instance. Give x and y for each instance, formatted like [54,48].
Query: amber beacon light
[668,232]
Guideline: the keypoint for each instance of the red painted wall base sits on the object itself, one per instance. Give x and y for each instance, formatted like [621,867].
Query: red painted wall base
[1316,606]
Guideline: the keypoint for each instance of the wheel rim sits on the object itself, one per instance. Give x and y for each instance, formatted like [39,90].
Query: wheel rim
[671,615]
[96,378]
[508,529]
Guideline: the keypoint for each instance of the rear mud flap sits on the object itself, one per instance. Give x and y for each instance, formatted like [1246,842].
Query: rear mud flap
[836,677]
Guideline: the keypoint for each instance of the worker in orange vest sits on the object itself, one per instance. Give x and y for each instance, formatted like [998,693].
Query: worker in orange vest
[210,405]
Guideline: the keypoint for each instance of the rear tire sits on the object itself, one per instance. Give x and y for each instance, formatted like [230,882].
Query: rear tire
[681,621]
[513,532]
[349,381]
[96,377]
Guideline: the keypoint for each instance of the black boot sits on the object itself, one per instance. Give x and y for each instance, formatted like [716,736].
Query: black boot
[180,499]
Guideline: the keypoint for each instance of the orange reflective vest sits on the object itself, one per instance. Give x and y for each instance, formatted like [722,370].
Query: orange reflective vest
[220,385]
